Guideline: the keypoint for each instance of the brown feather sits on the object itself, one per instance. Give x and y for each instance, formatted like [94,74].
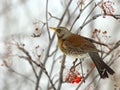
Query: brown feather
[77,41]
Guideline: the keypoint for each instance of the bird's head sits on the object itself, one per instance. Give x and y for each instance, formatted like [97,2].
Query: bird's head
[62,32]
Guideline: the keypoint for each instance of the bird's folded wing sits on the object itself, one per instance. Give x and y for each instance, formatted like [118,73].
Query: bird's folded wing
[78,42]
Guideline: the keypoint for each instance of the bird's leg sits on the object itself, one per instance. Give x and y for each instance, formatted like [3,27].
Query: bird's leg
[73,67]
[82,70]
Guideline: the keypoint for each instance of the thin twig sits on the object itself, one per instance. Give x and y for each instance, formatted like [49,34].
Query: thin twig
[47,20]
[82,70]
[61,73]
[29,59]
[45,71]
[53,16]
[84,23]
[52,67]
[53,52]
[95,17]
[91,81]
[39,65]
[46,57]
[65,12]
[17,73]
[89,13]
[116,46]
[80,14]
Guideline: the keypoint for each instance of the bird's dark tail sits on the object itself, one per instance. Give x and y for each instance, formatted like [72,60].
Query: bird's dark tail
[101,66]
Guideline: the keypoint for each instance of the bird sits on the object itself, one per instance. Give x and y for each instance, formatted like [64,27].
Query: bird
[78,46]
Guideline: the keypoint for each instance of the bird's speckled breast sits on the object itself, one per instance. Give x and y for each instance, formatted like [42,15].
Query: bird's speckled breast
[71,52]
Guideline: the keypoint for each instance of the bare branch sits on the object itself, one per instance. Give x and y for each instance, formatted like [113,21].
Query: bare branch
[31,61]
[80,13]
[61,73]
[65,12]
[116,46]
[29,58]
[47,20]
[53,16]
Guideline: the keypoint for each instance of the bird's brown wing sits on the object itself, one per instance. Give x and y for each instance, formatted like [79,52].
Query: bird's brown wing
[80,43]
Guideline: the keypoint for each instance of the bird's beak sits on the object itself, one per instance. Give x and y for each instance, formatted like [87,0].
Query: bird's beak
[53,28]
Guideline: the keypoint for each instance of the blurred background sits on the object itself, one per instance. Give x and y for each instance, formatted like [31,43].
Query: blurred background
[23,22]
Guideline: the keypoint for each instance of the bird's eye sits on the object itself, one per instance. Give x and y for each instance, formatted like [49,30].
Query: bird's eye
[58,30]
